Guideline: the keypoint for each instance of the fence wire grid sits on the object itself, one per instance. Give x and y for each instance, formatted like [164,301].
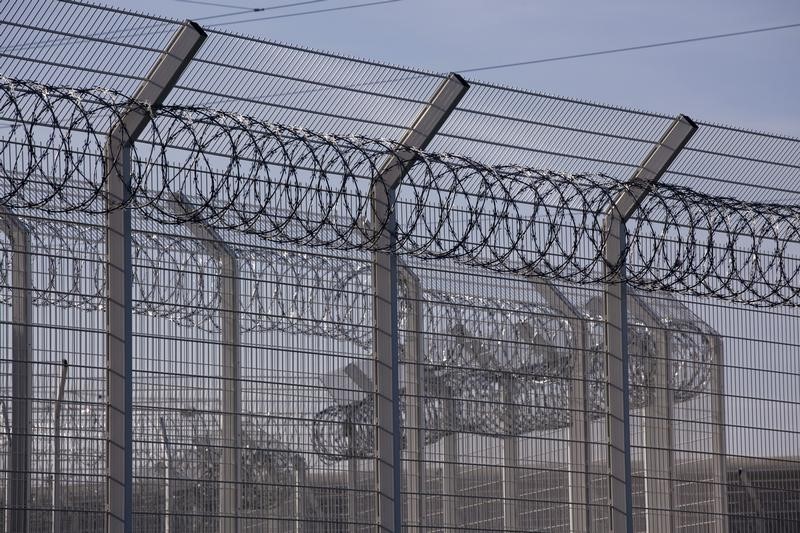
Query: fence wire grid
[307,345]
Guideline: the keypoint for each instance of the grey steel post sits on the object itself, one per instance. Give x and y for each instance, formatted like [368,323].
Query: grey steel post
[119,268]
[19,465]
[415,411]
[719,447]
[510,469]
[299,494]
[659,457]
[352,484]
[659,454]
[616,311]
[579,416]
[6,422]
[230,362]
[579,434]
[450,470]
[384,303]
[755,500]
[167,476]
[55,495]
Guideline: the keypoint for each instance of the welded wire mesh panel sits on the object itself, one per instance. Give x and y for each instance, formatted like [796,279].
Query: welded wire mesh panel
[746,165]
[500,125]
[6,368]
[254,386]
[494,363]
[176,389]
[66,368]
[674,358]
[756,364]
[306,330]
[47,40]
[295,86]
[83,45]
[302,317]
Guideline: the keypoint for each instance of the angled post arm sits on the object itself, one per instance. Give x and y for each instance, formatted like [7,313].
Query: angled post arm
[621,208]
[152,91]
[384,304]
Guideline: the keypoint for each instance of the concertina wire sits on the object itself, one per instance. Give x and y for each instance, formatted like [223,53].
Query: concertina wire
[294,186]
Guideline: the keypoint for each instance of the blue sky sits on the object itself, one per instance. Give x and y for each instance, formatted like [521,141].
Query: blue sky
[748,81]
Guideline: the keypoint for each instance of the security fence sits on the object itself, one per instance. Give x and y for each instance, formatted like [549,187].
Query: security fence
[246,286]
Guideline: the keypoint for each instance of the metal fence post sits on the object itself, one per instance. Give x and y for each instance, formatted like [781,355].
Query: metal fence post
[579,515]
[384,305]
[119,271]
[578,407]
[167,475]
[616,313]
[450,470]
[352,481]
[19,465]
[510,476]
[719,448]
[659,454]
[55,495]
[299,495]
[230,362]
[415,393]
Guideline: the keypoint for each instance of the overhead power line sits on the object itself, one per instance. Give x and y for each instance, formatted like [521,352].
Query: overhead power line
[557,58]
[146,30]
[632,48]
[229,6]
[301,13]
[243,10]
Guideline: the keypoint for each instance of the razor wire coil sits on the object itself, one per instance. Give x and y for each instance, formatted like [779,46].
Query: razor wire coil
[294,186]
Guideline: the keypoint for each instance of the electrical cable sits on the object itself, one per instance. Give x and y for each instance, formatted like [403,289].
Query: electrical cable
[631,48]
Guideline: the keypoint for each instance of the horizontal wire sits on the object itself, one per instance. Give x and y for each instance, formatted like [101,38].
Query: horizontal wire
[633,48]
[304,13]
